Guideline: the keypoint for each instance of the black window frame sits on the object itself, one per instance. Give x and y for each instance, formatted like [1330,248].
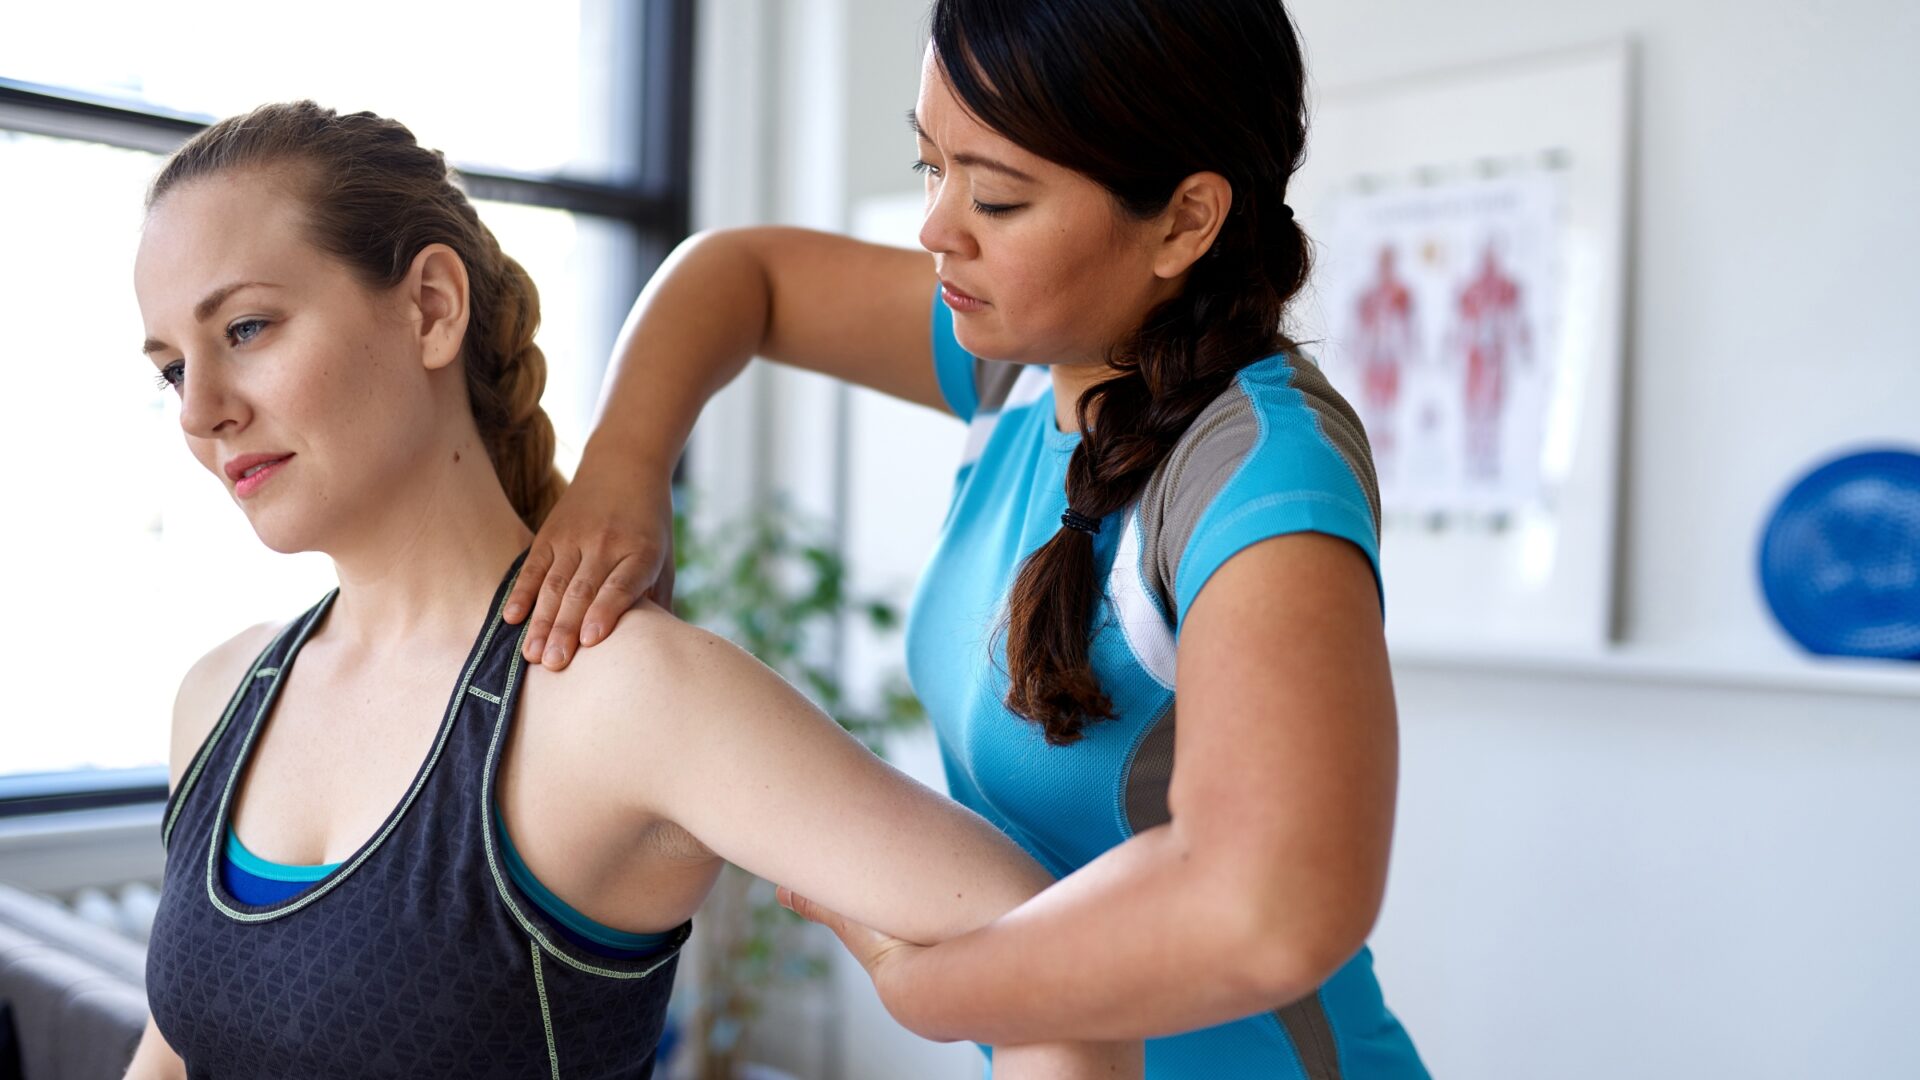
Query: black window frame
[656,204]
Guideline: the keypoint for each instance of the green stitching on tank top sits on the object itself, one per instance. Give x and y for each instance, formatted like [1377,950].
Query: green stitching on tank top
[266,671]
[482,694]
[440,742]
[493,860]
[546,1015]
[206,749]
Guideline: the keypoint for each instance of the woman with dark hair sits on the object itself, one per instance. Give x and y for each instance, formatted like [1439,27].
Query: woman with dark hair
[365,875]
[1164,511]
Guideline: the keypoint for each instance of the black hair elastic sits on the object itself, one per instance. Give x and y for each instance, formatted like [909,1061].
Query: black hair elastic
[1073,519]
[1286,212]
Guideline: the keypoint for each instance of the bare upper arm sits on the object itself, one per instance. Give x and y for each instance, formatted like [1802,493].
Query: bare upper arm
[205,691]
[691,729]
[850,309]
[1286,753]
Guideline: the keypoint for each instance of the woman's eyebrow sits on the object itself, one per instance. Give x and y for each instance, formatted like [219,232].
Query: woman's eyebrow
[972,161]
[209,304]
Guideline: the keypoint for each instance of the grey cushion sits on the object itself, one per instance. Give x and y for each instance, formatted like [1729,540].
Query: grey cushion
[55,925]
[74,1020]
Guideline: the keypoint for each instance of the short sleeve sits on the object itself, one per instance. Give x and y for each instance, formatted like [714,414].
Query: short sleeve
[1278,453]
[953,365]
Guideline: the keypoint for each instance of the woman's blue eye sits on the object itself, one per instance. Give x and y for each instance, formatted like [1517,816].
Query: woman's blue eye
[245,330]
[172,375]
[925,167]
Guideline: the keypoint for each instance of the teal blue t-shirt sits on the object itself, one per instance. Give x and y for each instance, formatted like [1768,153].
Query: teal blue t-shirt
[1278,452]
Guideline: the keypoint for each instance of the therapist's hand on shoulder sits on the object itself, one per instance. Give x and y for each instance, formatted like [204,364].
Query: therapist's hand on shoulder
[606,546]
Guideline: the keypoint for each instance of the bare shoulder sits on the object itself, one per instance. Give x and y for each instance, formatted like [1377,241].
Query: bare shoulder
[652,665]
[664,699]
[630,717]
[205,690]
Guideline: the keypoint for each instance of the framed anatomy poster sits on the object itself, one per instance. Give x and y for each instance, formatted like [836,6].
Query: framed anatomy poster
[1467,299]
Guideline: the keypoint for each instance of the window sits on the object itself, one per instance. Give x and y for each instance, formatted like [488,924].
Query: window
[569,123]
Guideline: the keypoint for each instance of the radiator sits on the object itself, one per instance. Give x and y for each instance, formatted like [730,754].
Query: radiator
[125,909]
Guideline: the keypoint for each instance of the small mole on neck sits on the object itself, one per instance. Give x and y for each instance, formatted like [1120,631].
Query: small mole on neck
[456,457]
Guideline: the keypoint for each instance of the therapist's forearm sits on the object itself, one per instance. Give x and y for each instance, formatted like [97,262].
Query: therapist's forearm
[694,328]
[1150,939]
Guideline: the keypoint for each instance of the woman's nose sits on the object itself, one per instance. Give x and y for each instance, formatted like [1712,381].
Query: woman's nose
[208,406]
[944,231]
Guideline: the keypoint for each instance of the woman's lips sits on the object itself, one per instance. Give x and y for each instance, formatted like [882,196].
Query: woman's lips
[960,302]
[250,483]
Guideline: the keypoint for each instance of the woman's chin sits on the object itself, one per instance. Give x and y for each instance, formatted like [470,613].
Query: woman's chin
[281,536]
[981,341]
[991,343]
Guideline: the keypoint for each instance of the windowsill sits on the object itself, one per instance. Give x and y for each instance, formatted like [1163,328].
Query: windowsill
[37,793]
[1624,663]
[59,852]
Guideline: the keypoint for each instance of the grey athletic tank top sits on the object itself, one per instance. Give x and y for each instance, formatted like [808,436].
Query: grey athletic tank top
[417,957]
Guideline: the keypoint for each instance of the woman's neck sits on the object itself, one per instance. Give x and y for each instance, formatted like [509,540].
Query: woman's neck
[1070,382]
[429,565]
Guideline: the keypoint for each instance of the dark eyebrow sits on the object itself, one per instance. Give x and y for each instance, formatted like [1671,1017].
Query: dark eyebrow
[972,161]
[204,310]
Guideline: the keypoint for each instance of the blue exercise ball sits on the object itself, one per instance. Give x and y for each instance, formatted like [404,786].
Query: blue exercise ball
[1840,557]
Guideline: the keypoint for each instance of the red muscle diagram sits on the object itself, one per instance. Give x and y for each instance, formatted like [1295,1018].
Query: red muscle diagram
[1489,335]
[1384,342]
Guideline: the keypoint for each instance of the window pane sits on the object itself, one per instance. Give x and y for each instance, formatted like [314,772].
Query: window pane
[588,272]
[546,88]
[125,560]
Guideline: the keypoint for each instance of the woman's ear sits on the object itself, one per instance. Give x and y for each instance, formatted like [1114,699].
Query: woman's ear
[436,291]
[1190,222]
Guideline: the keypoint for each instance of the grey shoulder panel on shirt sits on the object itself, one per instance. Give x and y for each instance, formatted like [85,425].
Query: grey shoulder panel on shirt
[1210,454]
[1341,426]
[1150,775]
[1185,484]
[993,380]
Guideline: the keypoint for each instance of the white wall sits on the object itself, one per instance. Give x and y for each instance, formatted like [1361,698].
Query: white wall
[1620,879]
[1772,311]
[1693,862]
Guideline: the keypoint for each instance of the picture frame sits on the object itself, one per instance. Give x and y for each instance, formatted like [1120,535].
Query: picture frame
[1470,232]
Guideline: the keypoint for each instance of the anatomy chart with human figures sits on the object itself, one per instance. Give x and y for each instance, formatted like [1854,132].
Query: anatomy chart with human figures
[1467,298]
[1442,302]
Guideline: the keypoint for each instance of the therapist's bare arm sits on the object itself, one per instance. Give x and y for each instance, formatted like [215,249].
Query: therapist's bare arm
[826,303]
